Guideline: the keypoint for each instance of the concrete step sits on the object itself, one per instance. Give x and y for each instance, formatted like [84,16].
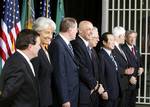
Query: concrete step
[141,105]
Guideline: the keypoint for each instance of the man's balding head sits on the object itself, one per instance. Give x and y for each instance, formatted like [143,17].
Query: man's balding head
[85,29]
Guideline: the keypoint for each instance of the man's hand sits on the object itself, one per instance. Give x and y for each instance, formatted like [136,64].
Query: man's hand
[104,96]
[67,104]
[101,89]
[140,71]
[129,71]
[133,80]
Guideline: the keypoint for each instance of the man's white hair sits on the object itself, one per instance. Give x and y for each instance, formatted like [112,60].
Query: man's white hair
[118,31]
[95,32]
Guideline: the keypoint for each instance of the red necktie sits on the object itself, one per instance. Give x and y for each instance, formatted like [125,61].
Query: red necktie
[133,50]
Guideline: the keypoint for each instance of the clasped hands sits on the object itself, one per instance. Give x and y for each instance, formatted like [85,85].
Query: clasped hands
[100,89]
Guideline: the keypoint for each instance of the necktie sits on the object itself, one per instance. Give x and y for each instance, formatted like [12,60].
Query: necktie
[111,56]
[89,51]
[133,50]
[71,49]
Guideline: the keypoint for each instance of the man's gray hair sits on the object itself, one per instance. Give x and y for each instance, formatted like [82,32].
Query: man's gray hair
[118,31]
[130,32]
[42,23]
[95,31]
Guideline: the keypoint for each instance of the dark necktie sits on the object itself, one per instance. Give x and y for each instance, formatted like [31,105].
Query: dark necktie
[111,56]
[89,51]
[71,49]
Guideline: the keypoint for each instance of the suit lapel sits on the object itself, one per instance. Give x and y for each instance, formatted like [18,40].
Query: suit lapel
[121,54]
[136,52]
[130,53]
[28,70]
[107,57]
[83,47]
[67,48]
[44,57]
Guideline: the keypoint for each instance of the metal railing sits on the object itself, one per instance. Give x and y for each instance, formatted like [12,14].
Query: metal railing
[132,15]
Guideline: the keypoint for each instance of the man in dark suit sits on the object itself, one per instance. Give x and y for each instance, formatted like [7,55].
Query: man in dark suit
[66,78]
[94,57]
[109,69]
[120,57]
[88,82]
[96,65]
[134,61]
[42,64]
[18,83]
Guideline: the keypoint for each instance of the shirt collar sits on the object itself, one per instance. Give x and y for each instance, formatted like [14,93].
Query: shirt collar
[116,44]
[24,55]
[130,47]
[107,51]
[65,39]
[85,42]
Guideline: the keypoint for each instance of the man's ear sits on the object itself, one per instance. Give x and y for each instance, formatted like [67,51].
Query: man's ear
[29,46]
[104,43]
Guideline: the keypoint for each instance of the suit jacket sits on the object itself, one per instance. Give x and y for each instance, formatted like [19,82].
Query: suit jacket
[86,73]
[122,64]
[65,72]
[44,73]
[18,85]
[95,97]
[96,67]
[133,61]
[110,74]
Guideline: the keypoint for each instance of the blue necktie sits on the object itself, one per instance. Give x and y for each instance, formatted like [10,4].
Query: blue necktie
[111,56]
[71,49]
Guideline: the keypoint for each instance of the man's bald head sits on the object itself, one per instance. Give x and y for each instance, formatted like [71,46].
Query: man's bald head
[85,29]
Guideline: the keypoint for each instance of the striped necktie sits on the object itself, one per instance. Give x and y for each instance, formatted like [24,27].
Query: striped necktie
[71,49]
[111,56]
[89,51]
[133,51]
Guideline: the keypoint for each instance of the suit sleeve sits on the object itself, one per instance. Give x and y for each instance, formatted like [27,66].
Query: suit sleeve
[12,80]
[102,70]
